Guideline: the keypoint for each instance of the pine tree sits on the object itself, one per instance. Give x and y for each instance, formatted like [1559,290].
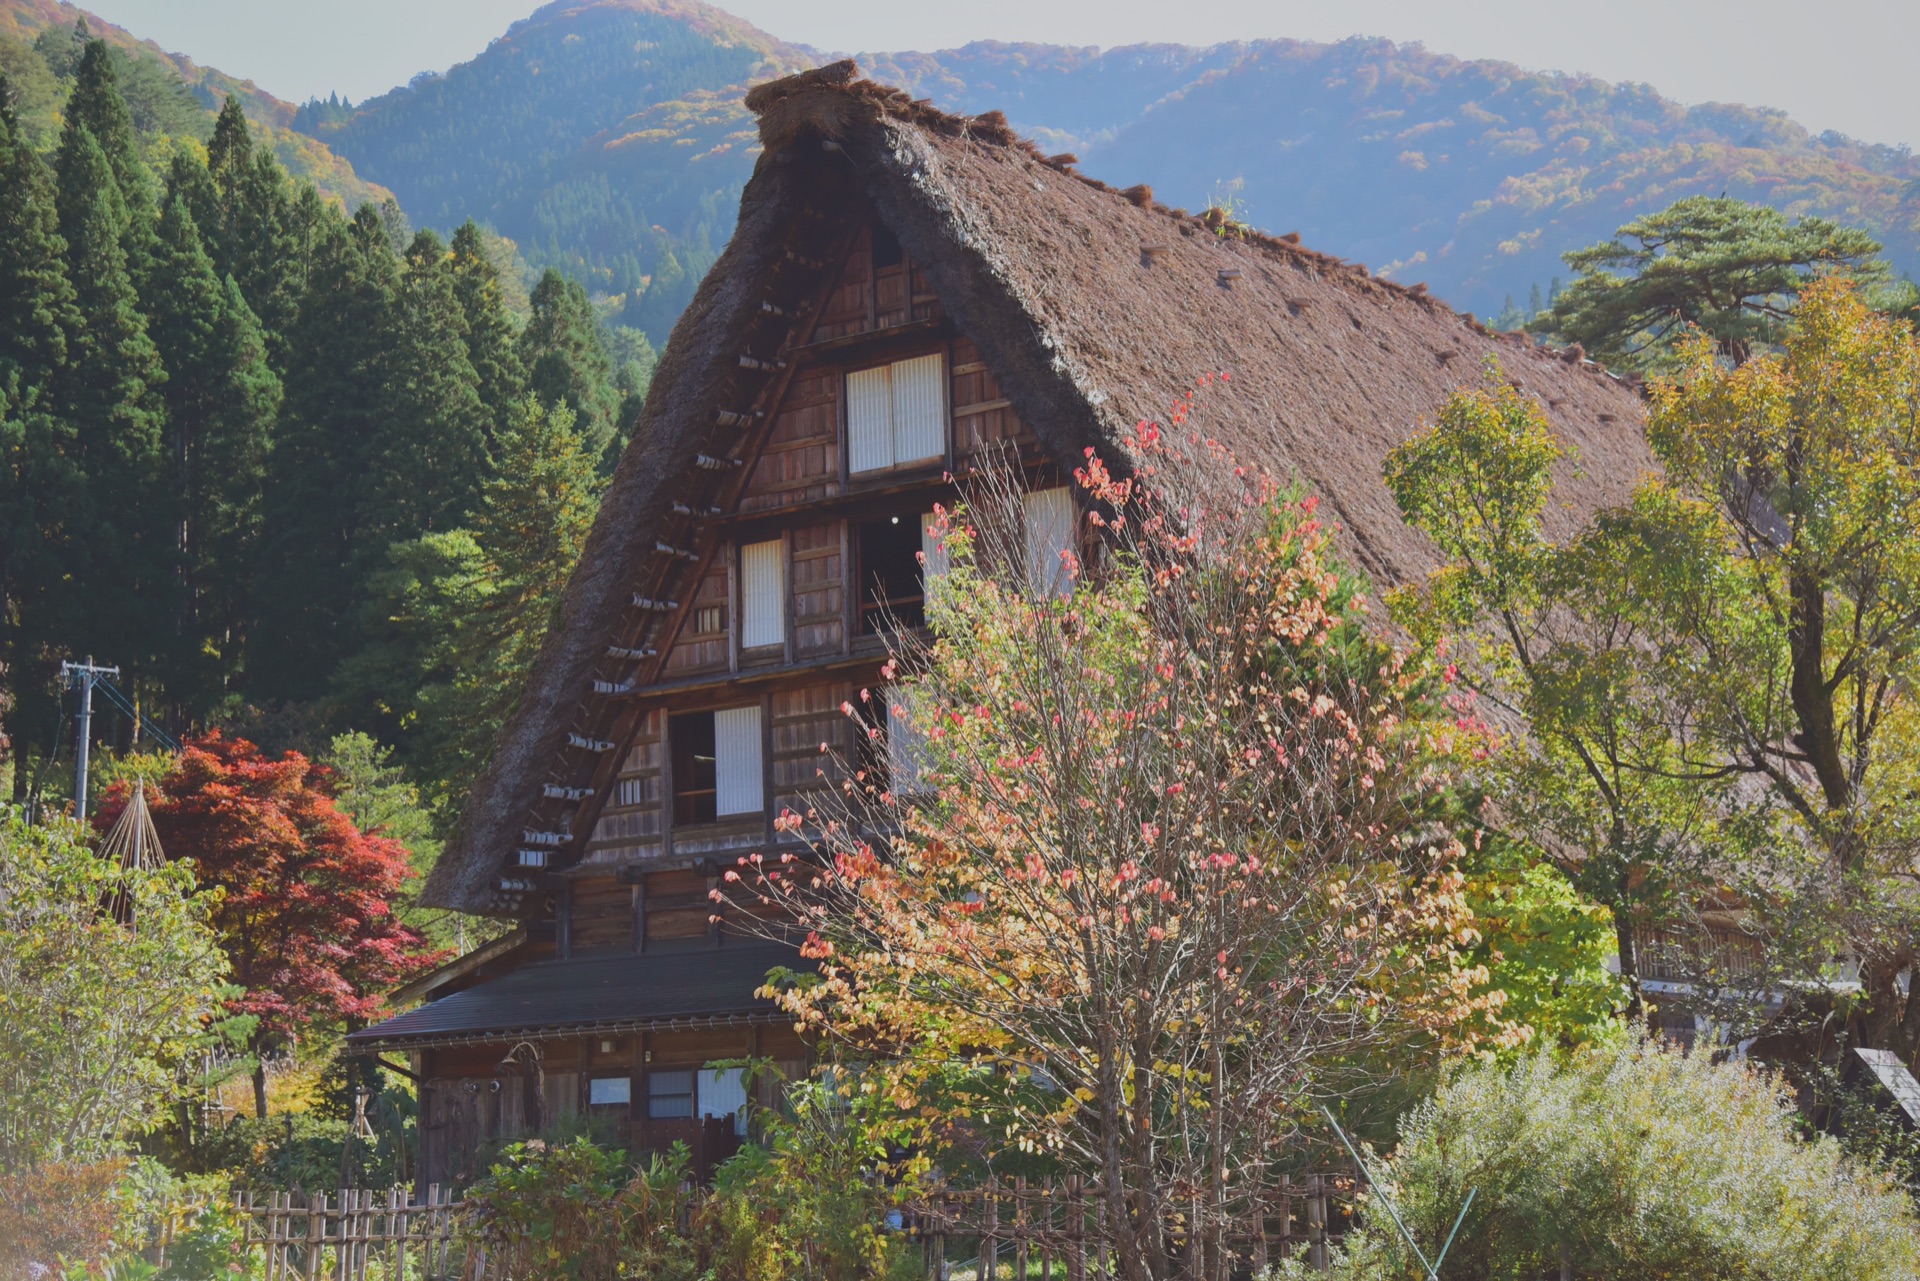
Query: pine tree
[250,229]
[222,399]
[491,345]
[566,360]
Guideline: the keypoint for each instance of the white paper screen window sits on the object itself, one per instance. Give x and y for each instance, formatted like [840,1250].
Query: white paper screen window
[1050,521]
[736,762]
[906,744]
[723,1092]
[934,557]
[763,594]
[606,1090]
[870,419]
[919,410]
[897,414]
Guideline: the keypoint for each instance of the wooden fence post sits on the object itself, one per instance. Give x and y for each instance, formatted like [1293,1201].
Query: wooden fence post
[1076,1231]
[990,1240]
[1317,1223]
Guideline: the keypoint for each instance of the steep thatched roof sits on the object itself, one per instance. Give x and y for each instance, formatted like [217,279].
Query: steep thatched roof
[1094,307]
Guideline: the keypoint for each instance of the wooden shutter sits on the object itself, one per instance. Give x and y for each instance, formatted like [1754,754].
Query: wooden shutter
[919,409]
[763,594]
[869,419]
[736,762]
[723,1092]
[935,559]
[1050,526]
[906,744]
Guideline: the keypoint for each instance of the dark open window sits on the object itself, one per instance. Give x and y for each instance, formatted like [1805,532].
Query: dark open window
[892,588]
[696,779]
[670,1096]
[886,248]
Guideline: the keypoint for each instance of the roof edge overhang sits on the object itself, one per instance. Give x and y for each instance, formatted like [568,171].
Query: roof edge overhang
[369,1041]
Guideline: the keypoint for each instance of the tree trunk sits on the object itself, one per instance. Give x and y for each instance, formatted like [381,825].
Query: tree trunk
[259,1087]
[1629,958]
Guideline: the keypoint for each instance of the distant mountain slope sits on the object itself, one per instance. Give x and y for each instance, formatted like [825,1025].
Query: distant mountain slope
[606,136]
[539,132]
[22,21]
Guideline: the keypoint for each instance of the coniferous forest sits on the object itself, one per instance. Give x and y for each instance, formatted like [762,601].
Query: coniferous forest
[293,469]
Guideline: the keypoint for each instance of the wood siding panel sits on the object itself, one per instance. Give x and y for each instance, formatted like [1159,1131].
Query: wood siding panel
[819,594]
[803,720]
[981,415]
[630,824]
[702,647]
[846,310]
[801,459]
[602,916]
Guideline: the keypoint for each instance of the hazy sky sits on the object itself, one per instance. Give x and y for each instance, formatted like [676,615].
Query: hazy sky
[1833,64]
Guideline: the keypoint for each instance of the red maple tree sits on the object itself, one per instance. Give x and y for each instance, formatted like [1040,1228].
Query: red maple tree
[307,916]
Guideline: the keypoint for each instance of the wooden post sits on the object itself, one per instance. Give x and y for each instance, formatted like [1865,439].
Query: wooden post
[1020,1227]
[1259,1233]
[990,1238]
[1317,1223]
[1076,1231]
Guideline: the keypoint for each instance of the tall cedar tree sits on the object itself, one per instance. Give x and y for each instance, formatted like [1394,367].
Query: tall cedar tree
[39,493]
[35,300]
[566,361]
[491,342]
[254,236]
[427,466]
[306,915]
[222,399]
[335,408]
[98,106]
[121,571]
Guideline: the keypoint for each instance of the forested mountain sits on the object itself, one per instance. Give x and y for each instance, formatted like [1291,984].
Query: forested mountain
[267,456]
[607,136]
[169,94]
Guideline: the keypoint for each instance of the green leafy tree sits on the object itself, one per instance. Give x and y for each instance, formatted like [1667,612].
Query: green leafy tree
[1545,947]
[36,300]
[566,360]
[252,231]
[1725,266]
[1628,1163]
[222,400]
[456,619]
[1552,636]
[100,1014]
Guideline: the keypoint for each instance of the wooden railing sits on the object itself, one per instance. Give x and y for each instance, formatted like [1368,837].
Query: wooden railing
[1054,1225]
[344,1236]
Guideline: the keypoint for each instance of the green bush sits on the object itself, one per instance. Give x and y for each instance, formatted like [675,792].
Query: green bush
[1630,1164]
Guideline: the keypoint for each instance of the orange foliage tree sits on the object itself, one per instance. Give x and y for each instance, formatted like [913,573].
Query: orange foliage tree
[1150,867]
[306,912]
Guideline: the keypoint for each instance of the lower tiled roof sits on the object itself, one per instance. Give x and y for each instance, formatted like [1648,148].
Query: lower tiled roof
[554,998]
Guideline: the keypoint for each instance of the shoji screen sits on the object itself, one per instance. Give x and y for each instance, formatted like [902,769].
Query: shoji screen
[739,788]
[919,409]
[1050,522]
[870,419]
[763,594]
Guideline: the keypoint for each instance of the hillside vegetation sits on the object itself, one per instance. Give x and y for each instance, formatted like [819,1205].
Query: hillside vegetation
[606,137]
[151,76]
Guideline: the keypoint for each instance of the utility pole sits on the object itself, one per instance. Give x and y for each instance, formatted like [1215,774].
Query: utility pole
[81,676]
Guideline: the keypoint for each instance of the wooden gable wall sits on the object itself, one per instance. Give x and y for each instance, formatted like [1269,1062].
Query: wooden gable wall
[634,886]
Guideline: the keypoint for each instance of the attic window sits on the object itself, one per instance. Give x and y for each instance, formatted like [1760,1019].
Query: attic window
[886,249]
[1051,520]
[897,414]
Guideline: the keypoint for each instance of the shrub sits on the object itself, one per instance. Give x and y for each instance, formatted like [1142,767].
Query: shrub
[1631,1163]
[62,1210]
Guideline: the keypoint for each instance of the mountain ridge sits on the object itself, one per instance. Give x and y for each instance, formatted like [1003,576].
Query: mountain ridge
[304,155]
